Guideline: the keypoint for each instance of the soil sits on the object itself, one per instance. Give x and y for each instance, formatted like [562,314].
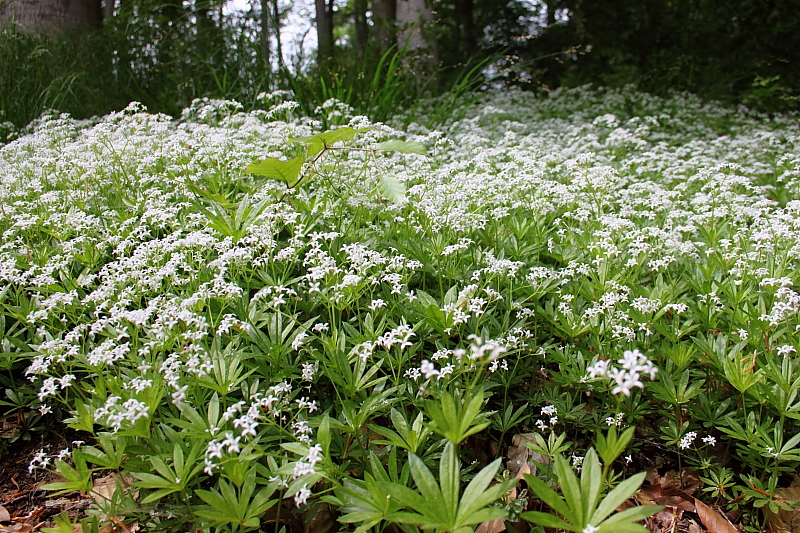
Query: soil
[24,505]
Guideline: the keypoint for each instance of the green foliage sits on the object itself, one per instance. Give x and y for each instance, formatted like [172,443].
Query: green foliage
[239,508]
[440,505]
[325,328]
[583,506]
[457,415]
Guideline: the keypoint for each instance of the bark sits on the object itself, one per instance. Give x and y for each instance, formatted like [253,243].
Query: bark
[108,9]
[465,22]
[414,16]
[324,14]
[384,17]
[52,15]
[276,22]
[360,16]
[265,31]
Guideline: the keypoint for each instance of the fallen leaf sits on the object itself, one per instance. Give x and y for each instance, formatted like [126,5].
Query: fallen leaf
[521,459]
[693,527]
[686,481]
[666,518]
[103,488]
[5,516]
[658,495]
[785,521]
[712,520]
[492,526]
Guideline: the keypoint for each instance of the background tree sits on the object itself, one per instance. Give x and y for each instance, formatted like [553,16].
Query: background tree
[48,15]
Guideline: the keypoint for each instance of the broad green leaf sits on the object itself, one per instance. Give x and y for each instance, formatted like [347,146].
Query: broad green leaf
[621,492]
[214,197]
[591,483]
[425,299]
[482,515]
[426,483]
[411,498]
[320,141]
[475,495]
[212,498]
[404,147]
[295,486]
[548,520]
[449,479]
[634,514]
[296,447]
[549,496]
[570,487]
[274,168]
[426,521]
[392,189]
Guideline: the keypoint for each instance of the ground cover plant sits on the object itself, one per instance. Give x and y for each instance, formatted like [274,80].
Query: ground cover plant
[262,321]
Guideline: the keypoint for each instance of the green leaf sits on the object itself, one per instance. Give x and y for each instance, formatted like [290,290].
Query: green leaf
[410,498]
[392,189]
[548,520]
[404,147]
[634,514]
[320,141]
[214,197]
[570,488]
[482,515]
[426,483]
[621,492]
[549,496]
[591,481]
[274,168]
[449,479]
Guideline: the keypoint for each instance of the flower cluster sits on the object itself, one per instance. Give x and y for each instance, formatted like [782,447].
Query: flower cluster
[633,365]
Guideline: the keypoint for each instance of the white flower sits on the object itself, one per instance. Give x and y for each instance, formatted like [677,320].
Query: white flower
[688,439]
[302,496]
[377,304]
[298,340]
[549,410]
[428,369]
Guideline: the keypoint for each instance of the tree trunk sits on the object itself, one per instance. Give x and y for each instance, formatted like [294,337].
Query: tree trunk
[324,13]
[465,22]
[52,15]
[265,30]
[383,17]
[414,16]
[108,9]
[276,22]
[360,16]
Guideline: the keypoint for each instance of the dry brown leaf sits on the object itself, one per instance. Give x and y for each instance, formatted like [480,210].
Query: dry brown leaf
[666,518]
[693,527]
[785,521]
[712,520]
[492,526]
[521,458]
[17,528]
[656,494]
[685,481]
[5,516]
[103,488]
